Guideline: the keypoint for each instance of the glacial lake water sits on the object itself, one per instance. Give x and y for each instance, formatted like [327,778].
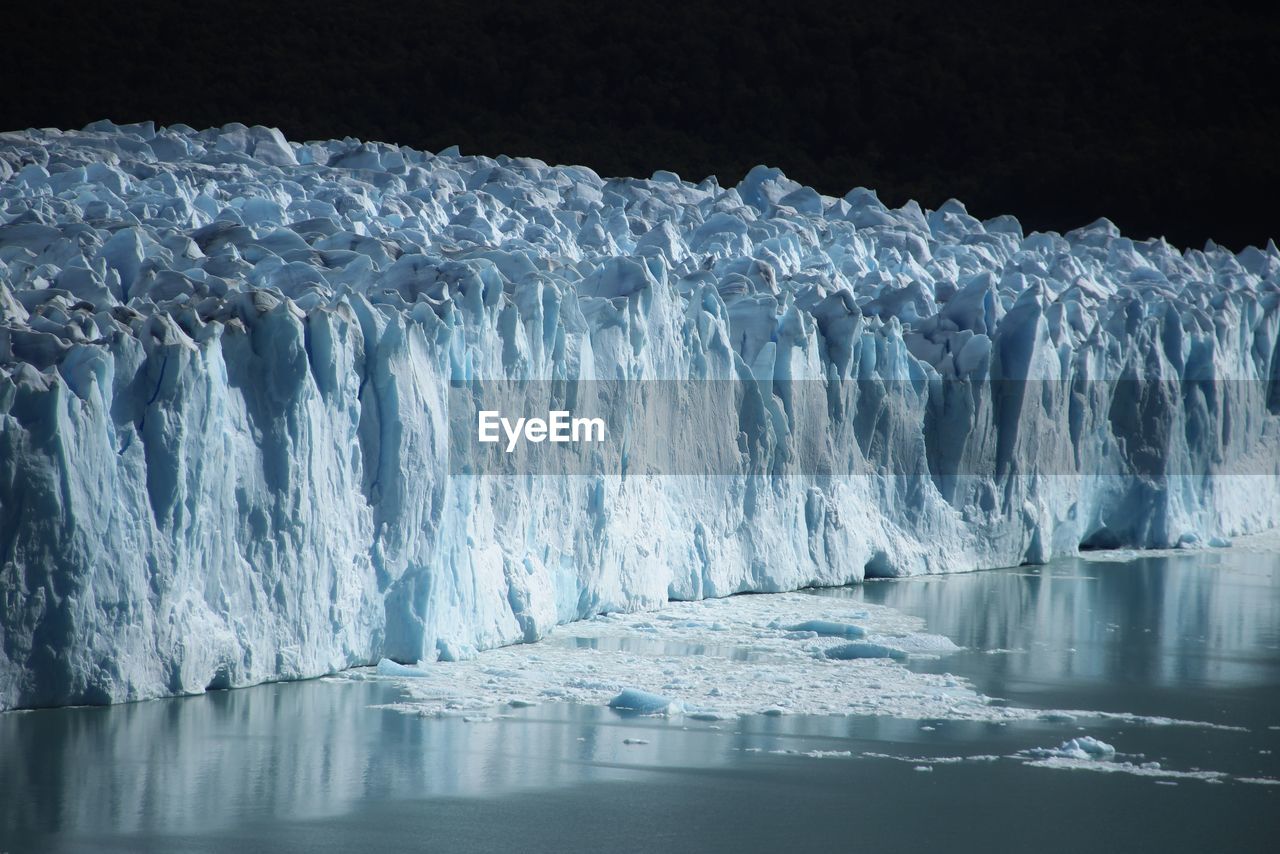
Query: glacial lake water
[314,766]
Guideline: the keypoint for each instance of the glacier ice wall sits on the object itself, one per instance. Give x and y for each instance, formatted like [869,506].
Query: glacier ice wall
[225,363]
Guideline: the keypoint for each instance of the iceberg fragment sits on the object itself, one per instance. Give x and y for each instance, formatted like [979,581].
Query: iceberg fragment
[862,649]
[645,703]
[1084,747]
[829,628]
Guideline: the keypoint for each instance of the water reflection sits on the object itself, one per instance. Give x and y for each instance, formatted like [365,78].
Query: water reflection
[649,646]
[312,750]
[1193,638]
[302,750]
[1202,627]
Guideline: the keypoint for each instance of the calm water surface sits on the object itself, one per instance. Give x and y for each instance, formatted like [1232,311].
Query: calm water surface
[311,766]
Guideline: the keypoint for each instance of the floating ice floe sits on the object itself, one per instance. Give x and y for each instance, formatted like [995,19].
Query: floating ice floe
[723,658]
[1083,748]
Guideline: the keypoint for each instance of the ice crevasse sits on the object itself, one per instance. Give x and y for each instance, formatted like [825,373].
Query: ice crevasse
[225,372]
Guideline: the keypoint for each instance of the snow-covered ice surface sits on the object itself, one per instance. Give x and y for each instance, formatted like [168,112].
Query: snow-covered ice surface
[722,658]
[718,660]
[226,358]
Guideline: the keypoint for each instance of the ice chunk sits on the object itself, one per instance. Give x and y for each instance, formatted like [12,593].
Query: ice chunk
[387,667]
[829,628]
[862,649]
[642,702]
[1084,747]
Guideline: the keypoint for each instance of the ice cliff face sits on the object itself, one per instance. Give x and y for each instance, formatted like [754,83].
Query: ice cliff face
[226,361]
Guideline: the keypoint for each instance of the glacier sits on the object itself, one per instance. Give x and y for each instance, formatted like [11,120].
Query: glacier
[228,363]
